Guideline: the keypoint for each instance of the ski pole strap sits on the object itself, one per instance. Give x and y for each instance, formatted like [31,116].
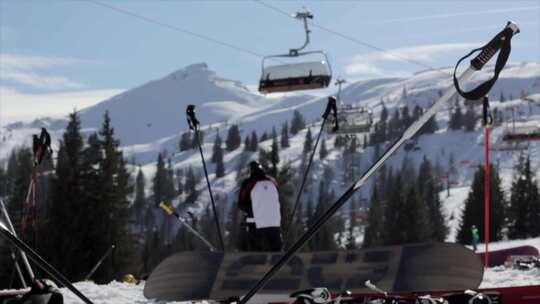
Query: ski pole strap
[501,43]
[191,119]
[332,107]
[487,119]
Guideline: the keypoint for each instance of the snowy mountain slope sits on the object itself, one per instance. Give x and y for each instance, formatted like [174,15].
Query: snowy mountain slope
[150,118]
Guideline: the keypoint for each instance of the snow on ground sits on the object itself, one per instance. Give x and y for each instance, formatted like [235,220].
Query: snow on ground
[502,277]
[120,293]
[114,292]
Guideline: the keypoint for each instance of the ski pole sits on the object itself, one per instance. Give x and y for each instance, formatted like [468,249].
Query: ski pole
[13,255]
[12,230]
[170,211]
[510,29]
[330,107]
[41,263]
[194,125]
[99,262]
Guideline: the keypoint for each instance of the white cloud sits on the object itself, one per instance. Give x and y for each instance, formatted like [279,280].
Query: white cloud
[33,71]
[417,53]
[40,81]
[362,68]
[369,64]
[29,62]
[20,106]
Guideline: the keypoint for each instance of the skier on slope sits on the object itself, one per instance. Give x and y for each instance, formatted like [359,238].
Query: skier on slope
[475,237]
[259,200]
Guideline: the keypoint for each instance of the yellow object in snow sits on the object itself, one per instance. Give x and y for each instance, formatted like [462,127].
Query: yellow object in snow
[129,278]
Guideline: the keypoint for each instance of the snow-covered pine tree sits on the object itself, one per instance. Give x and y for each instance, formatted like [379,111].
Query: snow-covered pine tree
[285,135]
[297,123]
[473,214]
[233,140]
[524,207]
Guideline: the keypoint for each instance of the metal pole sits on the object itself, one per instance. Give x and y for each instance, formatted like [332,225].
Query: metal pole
[12,230]
[100,261]
[194,125]
[170,211]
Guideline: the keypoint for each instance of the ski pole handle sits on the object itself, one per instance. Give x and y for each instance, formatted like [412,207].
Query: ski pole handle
[166,208]
[492,47]
[191,119]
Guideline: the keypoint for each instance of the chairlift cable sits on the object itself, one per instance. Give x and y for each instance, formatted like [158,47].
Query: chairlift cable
[176,28]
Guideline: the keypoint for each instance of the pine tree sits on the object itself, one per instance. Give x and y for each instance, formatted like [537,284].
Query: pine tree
[285,136]
[351,237]
[323,152]
[233,140]
[392,210]
[140,204]
[297,123]
[406,118]
[473,213]
[394,125]
[384,112]
[501,98]
[308,143]
[284,180]
[254,142]
[416,222]
[66,205]
[428,187]
[191,186]
[264,137]
[185,141]
[324,238]
[247,142]
[469,119]
[160,181]
[456,118]
[374,235]
[274,154]
[524,208]
[217,157]
[115,189]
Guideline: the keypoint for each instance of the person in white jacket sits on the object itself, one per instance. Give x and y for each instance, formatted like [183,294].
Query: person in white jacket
[259,200]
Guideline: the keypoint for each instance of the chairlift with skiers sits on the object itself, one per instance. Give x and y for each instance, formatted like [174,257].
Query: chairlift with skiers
[303,75]
[352,119]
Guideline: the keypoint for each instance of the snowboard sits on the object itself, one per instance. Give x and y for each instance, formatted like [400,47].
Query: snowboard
[415,267]
[498,257]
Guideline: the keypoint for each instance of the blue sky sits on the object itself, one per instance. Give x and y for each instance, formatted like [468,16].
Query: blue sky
[57,55]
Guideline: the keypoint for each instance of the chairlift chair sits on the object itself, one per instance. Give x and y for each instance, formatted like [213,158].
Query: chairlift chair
[288,77]
[351,119]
